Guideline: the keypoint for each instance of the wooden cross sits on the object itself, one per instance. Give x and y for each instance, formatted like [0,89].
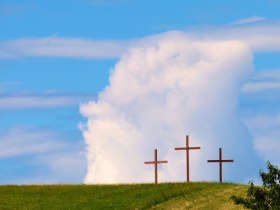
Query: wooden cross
[220,161]
[187,148]
[156,162]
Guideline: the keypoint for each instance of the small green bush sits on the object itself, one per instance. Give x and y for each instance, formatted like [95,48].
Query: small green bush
[266,196]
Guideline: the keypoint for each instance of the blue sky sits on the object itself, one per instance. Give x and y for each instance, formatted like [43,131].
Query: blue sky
[45,74]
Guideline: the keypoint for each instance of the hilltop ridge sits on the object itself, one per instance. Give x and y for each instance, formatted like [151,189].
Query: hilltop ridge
[199,195]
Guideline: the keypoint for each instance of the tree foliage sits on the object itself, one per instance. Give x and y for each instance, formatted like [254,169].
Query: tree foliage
[266,196]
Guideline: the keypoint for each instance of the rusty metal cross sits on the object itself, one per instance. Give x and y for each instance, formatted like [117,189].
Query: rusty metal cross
[220,161]
[156,162]
[187,148]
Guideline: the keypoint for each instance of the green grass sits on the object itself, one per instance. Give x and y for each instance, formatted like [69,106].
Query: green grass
[137,196]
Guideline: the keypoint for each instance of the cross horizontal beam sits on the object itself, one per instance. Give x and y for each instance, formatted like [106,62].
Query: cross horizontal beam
[185,148]
[156,162]
[215,161]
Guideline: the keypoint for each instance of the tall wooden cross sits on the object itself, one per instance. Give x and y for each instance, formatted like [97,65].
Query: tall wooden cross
[187,148]
[220,161]
[156,162]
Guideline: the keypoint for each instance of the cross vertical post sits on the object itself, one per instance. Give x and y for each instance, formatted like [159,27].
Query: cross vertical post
[220,161]
[156,175]
[187,148]
[156,162]
[221,165]
[187,158]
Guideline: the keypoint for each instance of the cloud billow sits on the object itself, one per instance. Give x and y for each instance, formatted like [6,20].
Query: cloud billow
[171,86]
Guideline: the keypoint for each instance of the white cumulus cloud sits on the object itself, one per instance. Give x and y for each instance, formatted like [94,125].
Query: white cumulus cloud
[171,86]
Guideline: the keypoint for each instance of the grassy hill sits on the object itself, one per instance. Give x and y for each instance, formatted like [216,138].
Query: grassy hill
[137,196]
